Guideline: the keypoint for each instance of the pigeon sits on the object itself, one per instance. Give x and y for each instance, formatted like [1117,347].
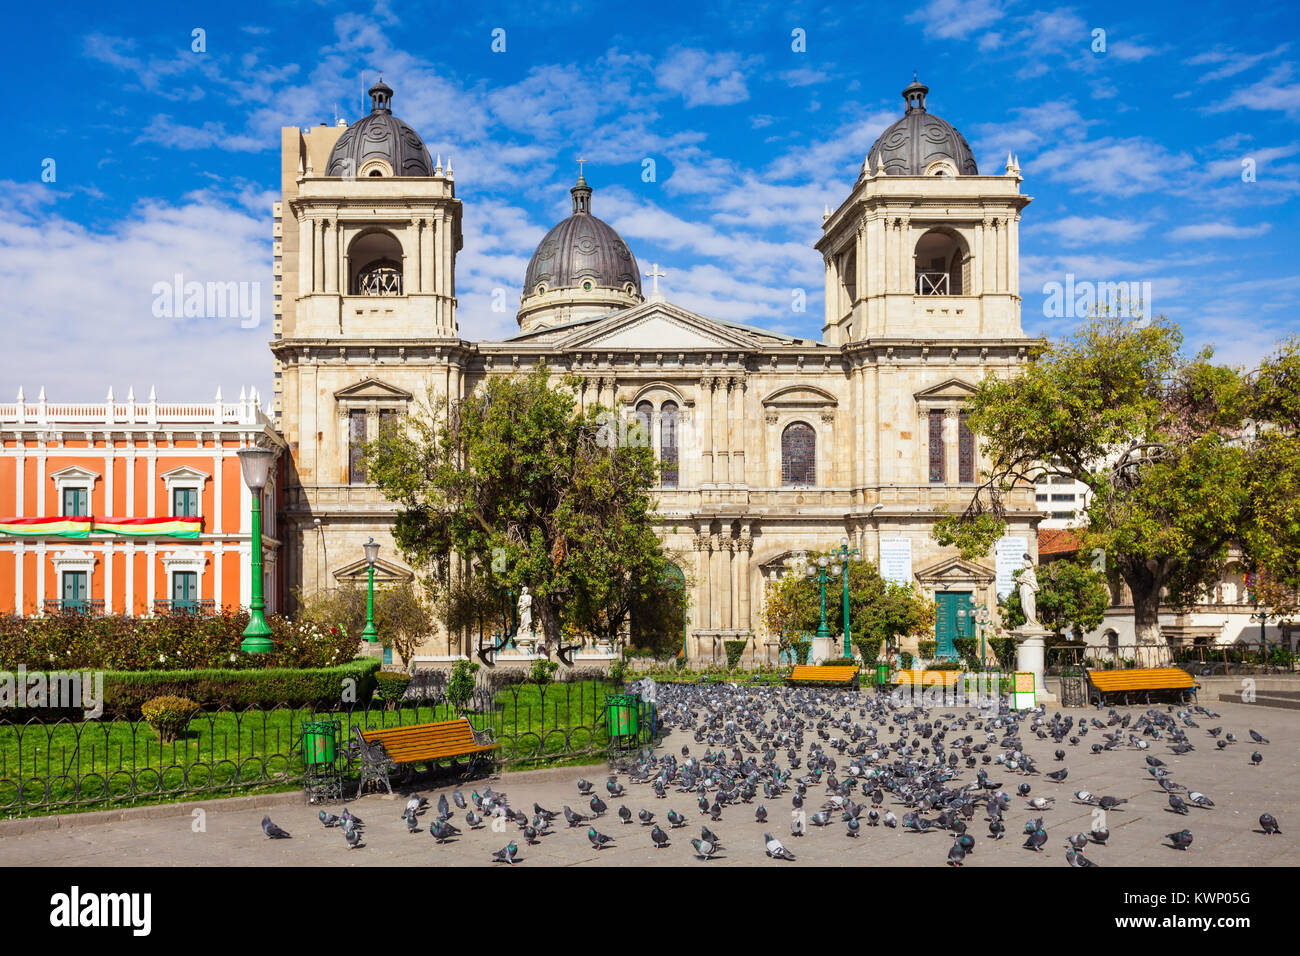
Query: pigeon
[1037,840]
[458,798]
[675,820]
[891,821]
[774,848]
[760,814]
[956,854]
[1078,841]
[873,817]
[1258,738]
[413,806]
[703,848]
[1256,758]
[475,821]
[1059,775]
[625,814]
[853,826]
[442,831]
[1181,840]
[1268,823]
[1100,835]
[1200,800]
[615,788]
[352,836]
[1177,805]
[598,806]
[1076,858]
[272,831]
[1042,803]
[350,820]
[575,819]
[659,838]
[584,787]
[646,817]
[996,829]
[444,809]
[530,835]
[412,823]
[598,840]
[1110,803]
[327,819]
[506,854]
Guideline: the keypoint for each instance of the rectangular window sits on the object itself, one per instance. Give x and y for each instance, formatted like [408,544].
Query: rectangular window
[1042,497]
[937,463]
[356,446]
[965,450]
[185,502]
[76,502]
[185,590]
[76,590]
[1067,498]
[387,419]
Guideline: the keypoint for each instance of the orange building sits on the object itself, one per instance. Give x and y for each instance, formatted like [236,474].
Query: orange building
[131,507]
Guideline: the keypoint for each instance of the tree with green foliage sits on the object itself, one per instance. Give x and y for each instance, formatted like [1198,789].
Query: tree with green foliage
[516,486]
[878,610]
[1188,462]
[403,618]
[1072,599]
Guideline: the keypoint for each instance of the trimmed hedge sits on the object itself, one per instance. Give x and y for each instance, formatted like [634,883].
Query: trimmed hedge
[869,648]
[165,641]
[125,692]
[734,651]
[927,648]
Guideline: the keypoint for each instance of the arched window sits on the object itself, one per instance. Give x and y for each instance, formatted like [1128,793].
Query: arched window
[942,265]
[668,444]
[798,455]
[375,265]
[643,432]
[1112,642]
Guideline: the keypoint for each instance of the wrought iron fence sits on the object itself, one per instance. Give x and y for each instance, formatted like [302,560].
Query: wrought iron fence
[1200,659]
[49,766]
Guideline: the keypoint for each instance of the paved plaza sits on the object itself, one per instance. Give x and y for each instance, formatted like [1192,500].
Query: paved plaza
[1226,835]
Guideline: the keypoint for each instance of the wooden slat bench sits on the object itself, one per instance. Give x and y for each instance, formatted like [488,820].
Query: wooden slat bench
[1139,684]
[914,678]
[835,674]
[417,743]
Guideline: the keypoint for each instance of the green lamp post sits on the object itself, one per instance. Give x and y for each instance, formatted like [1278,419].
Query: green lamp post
[819,571]
[255,463]
[843,555]
[371,549]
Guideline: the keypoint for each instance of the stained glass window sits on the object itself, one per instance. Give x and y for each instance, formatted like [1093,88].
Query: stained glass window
[798,455]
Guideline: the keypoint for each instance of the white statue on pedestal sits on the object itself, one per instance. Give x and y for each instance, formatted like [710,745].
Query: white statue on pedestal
[524,635]
[1029,593]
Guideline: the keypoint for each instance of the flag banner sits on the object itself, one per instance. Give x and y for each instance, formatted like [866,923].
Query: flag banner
[151,527]
[46,527]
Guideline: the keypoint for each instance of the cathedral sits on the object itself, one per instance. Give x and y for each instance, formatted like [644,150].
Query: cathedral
[773,447]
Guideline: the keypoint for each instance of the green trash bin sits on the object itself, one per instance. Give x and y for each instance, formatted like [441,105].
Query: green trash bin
[882,675]
[320,741]
[621,714]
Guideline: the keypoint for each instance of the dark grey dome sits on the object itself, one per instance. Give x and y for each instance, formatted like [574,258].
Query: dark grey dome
[911,144]
[380,135]
[582,249]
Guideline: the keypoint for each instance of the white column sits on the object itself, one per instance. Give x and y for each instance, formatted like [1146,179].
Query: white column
[306,243]
[108,575]
[130,481]
[109,469]
[129,607]
[218,466]
[150,583]
[151,472]
[40,577]
[331,256]
[20,559]
[20,485]
[218,553]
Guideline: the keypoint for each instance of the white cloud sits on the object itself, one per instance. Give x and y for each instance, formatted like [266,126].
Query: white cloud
[956,19]
[703,78]
[1218,230]
[1082,230]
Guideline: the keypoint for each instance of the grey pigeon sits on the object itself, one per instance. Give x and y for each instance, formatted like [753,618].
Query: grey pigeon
[625,814]
[272,831]
[1268,823]
[598,840]
[327,819]
[956,854]
[675,820]
[1076,858]
[1177,805]
[703,848]
[774,848]
[1100,835]
[412,823]
[1256,758]
[658,836]
[506,854]
[352,836]
[646,817]
[458,798]
[1255,736]
[1181,840]
[584,787]
[598,806]
[1200,800]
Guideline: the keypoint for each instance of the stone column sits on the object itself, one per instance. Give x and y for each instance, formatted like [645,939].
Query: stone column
[306,243]
[705,430]
[738,430]
[830,289]
[745,552]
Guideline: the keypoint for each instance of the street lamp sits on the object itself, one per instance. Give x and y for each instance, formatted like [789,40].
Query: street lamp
[371,548]
[843,555]
[982,617]
[819,571]
[255,464]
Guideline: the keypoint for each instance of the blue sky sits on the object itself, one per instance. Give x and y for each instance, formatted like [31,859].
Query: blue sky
[166,160]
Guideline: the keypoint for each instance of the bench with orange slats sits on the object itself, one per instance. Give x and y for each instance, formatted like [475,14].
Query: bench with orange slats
[417,743]
[821,674]
[914,678]
[1139,683]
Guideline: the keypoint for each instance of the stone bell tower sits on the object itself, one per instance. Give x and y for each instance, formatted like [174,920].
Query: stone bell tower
[923,246]
[366,236]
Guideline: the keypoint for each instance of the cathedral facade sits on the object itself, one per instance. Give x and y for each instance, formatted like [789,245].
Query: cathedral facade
[773,446]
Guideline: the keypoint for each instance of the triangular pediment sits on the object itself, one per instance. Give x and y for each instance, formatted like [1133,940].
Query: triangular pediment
[372,389]
[953,389]
[385,573]
[954,570]
[665,327]
[800,396]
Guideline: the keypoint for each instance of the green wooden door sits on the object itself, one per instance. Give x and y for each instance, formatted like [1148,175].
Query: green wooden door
[75,592]
[185,590]
[948,624]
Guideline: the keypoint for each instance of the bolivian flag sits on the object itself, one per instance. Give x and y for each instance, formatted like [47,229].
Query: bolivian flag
[46,527]
[150,527]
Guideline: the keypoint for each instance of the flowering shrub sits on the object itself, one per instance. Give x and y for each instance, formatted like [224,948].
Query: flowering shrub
[164,642]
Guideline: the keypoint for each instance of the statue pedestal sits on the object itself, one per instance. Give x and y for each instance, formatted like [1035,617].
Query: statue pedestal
[823,649]
[1031,655]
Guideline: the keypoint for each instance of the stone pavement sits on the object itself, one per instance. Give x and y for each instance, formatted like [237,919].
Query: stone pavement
[1224,836]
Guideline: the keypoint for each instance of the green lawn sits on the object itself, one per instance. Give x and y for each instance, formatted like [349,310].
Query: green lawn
[92,762]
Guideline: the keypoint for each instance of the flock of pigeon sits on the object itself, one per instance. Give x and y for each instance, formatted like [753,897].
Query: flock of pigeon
[806,752]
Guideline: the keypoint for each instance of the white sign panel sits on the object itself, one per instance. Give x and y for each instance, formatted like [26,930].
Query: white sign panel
[1009,554]
[896,560]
